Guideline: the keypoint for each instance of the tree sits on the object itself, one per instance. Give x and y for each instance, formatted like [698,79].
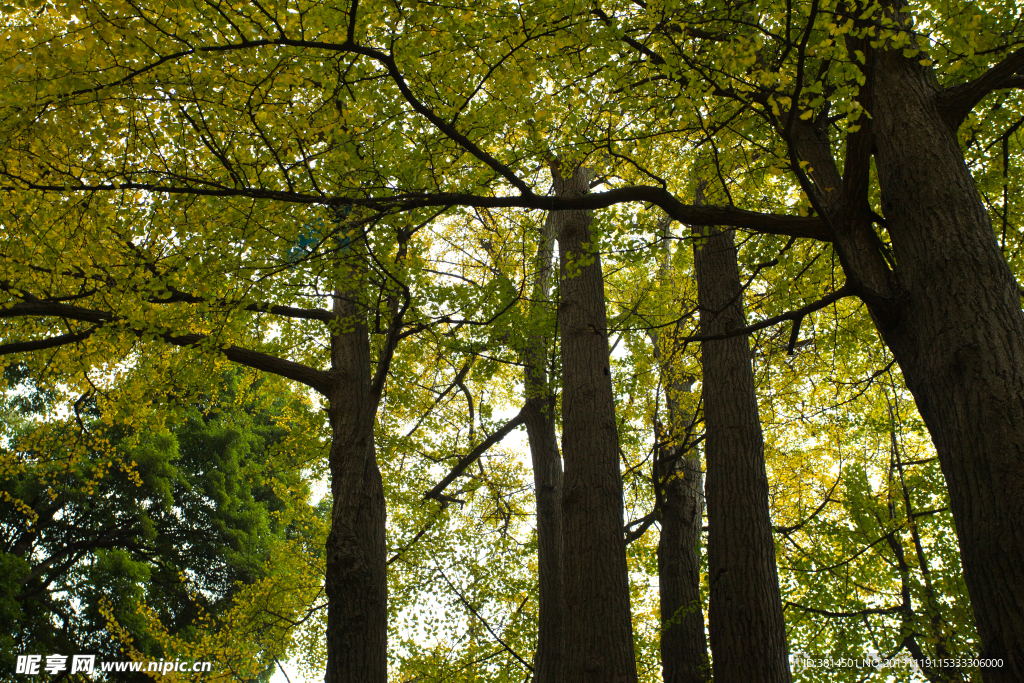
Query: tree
[678,481]
[114,112]
[747,631]
[137,270]
[902,154]
[598,628]
[540,421]
[106,521]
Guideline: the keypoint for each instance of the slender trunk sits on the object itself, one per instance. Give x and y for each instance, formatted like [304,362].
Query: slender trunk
[958,336]
[684,646]
[356,580]
[748,633]
[598,627]
[547,468]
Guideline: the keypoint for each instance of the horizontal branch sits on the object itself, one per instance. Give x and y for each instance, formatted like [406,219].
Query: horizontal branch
[321,314]
[318,380]
[858,613]
[48,343]
[795,315]
[38,308]
[475,454]
[753,221]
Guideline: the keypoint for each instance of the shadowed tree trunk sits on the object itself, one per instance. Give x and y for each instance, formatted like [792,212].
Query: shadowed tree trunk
[356,578]
[948,307]
[598,627]
[959,339]
[748,633]
[684,647]
[547,466]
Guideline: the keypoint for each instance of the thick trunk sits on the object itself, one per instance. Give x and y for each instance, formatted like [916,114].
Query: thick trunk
[748,634]
[684,646]
[547,469]
[598,627]
[959,340]
[356,580]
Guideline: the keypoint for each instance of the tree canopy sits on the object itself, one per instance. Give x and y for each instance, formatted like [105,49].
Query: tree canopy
[363,199]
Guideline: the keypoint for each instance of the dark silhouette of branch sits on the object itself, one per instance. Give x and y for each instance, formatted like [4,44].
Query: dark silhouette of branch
[859,613]
[473,455]
[48,343]
[795,315]
[753,221]
[319,380]
[957,101]
[311,377]
[642,525]
[828,499]
[483,621]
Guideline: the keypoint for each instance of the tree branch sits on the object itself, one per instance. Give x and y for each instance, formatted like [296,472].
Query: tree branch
[311,377]
[858,613]
[642,525]
[794,315]
[828,499]
[482,620]
[765,223]
[318,380]
[49,343]
[34,307]
[958,100]
[475,454]
[259,307]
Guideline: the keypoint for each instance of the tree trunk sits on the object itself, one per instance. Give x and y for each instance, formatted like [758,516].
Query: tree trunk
[748,633]
[958,336]
[598,625]
[356,580]
[547,468]
[684,646]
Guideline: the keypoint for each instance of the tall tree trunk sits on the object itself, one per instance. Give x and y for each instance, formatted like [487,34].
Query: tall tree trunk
[958,335]
[748,633]
[949,310]
[356,580]
[598,625]
[684,646]
[547,467]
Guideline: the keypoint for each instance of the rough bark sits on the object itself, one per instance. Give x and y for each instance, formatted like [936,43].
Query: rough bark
[598,628]
[684,647]
[547,468]
[949,310]
[356,579]
[748,635]
[958,337]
